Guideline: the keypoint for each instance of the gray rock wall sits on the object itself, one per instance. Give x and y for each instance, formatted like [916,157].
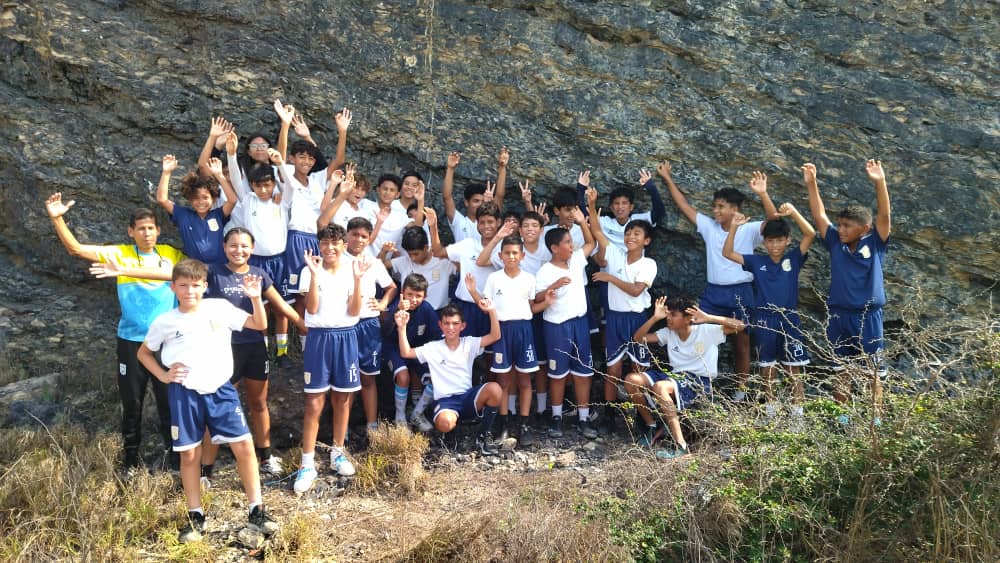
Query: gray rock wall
[95,92]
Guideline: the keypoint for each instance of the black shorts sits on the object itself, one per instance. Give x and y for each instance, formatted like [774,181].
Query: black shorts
[250,361]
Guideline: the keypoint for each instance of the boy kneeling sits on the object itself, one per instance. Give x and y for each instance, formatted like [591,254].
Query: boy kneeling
[195,341]
[692,339]
[450,364]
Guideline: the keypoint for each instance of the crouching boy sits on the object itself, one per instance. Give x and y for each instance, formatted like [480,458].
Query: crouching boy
[692,339]
[194,340]
[450,363]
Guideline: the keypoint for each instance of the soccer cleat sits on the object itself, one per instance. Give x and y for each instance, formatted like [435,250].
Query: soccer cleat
[343,466]
[271,466]
[260,520]
[555,427]
[525,437]
[587,429]
[194,529]
[486,445]
[672,453]
[420,421]
[304,479]
[647,437]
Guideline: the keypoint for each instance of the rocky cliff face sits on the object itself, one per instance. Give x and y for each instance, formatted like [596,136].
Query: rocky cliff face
[96,91]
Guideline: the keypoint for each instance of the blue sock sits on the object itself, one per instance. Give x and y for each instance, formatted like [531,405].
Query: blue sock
[489,415]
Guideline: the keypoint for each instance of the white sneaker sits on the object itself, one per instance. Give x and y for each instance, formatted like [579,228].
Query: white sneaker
[304,479]
[271,465]
[343,466]
[420,421]
[400,419]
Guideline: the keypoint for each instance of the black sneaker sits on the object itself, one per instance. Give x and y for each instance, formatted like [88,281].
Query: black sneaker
[260,520]
[555,427]
[607,426]
[525,437]
[486,445]
[194,529]
[587,429]
[503,422]
[513,430]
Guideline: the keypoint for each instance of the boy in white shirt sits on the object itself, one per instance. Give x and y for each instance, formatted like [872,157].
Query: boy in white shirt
[333,299]
[692,340]
[418,258]
[465,253]
[195,339]
[450,363]
[476,194]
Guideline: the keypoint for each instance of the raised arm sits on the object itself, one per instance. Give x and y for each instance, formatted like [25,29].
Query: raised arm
[588,237]
[728,247]
[488,307]
[215,165]
[401,318]
[526,195]
[758,185]
[343,121]
[582,185]
[331,204]
[664,170]
[485,258]
[470,284]
[642,334]
[729,324]
[219,128]
[596,229]
[55,207]
[359,266]
[232,162]
[502,159]
[808,232]
[418,215]
[448,185]
[285,114]
[302,129]
[315,264]
[815,202]
[883,217]
[162,189]
[275,300]
[251,288]
[658,210]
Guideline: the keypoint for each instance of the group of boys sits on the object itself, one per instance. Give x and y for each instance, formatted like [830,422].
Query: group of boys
[522,295]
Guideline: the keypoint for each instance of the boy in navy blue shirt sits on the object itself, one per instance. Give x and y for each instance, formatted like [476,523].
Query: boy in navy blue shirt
[776,293]
[857,294]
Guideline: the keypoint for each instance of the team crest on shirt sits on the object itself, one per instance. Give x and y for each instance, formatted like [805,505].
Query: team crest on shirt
[865,252]
[699,348]
[436,275]
[786,265]
[213,224]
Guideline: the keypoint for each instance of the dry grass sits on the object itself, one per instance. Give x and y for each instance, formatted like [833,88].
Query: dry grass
[394,461]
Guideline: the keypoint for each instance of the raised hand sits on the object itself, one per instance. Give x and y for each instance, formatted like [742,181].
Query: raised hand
[584,178]
[285,113]
[382,215]
[453,159]
[591,196]
[404,304]
[375,304]
[169,163]
[55,206]
[470,283]
[360,266]
[275,157]
[421,191]
[402,317]
[809,173]
[219,127]
[486,305]
[541,211]
[389,248]
[313,261]
[874,169]
[215,166]
[740,219]
[232,142]
[504,157]
[644,176]
[578,217]
[660,310]
[758,184]
[101,270]
[252,286]
[525,192]
[490,190]
[786,209]
[506,230]
[336,178]
[300,127]
[431,216]
[697,315]
[664,169]
[343,120]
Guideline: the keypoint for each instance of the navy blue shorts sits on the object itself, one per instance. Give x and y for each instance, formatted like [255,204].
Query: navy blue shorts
[275,267]
[777,337]
[191,413]
[733,301]
[397,363]
[690,387]
[369,334]
[477,323]
[462,404]
[618,338]
[330,360]
[250,362]
[569,348]
[295,259]
[857,333]
[515,349]
[538,331]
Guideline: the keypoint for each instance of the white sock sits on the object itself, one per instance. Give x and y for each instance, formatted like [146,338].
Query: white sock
[796,410]
[400,395]
[198,510]
[253,505]
[302,338]
[511,403]
[542,399]
[308,460]
[425,398]
[584,413]
[771,409]
[556,410]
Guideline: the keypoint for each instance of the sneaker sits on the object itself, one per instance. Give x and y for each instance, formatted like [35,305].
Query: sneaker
[260,520]
[607,425]
[304,479]
[503,422]
[647,437]
[205,483]
[343,466]
[486,445]
[271,466]
[587,429]
[672,453]
[194,529]
[739,396]
[525,436]
[420,421]
[555,427]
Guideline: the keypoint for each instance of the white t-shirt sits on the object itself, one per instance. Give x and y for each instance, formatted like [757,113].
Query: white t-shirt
[462,227]
[642,270]
[392,228]
[305,199]
[376,275]
[512,296]
[267,221]
[335,291]
[367,209]
[616,231]
[531,262]
[201,340]
[571,299]
[721,270]
[437,271]
[466,253]
[451,370]
[699,354]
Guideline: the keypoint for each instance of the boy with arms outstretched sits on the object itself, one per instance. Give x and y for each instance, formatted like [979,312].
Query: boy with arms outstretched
[141,301]
[194,339]
[692,339]
[465,226]
[201,225]
[450,363]
[857,293]
[729,291]
[777,336]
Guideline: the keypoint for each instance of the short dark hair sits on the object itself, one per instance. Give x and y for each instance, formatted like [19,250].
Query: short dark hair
[451,310]
[260,172]
[333,232]
[857,213]
[414,238]
[191,269]
[141,213]
[554,237]
[622,192]
[305,147]
[680,303]
[512,239]
[776,228]
[416,282]
[730,195]
[193,181]
[533,215]
[511,214]
[474,188]
[238,231]
[565,197]
[362,182]
[360,223]
[643,224]
[411,173]
[489,208]
[387,177]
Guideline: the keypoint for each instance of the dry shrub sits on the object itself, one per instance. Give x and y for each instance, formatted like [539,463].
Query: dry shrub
[394,460]
[297,540]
